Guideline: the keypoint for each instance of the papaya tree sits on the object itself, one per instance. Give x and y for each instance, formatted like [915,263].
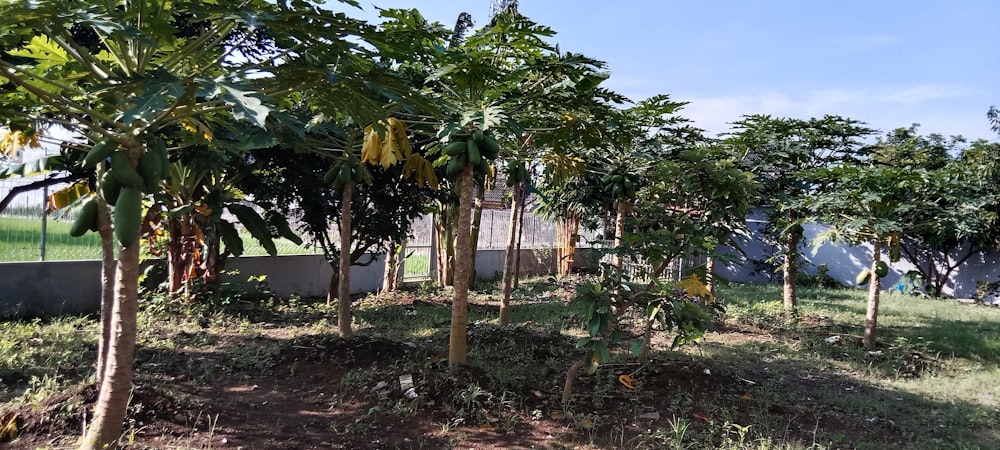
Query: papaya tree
[867,204]
[779,151]
[118,73]
[489,81]
[685,205]
[959,226]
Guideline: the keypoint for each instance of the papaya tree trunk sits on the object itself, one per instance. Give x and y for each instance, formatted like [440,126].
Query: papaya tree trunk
[620,231]
[477,220]
[520,234]
[112,400]
[647,340]
[445,226]
[710,275]
[344,290]
[569,237]
[107,234]
[176,263]
[509,257]
[790,268]
[571,374]
[393,262]
[333,288]
[457,352]
[871,314]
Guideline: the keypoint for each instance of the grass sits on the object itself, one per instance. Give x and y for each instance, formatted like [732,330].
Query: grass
[762,381]
[20,240]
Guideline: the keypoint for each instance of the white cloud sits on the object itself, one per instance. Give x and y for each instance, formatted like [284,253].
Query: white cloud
[881,108]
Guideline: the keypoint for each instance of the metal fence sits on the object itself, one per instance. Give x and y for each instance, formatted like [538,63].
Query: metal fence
[29,233]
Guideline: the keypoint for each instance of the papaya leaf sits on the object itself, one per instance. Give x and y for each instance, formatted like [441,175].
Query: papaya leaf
[637,346]
[43,50]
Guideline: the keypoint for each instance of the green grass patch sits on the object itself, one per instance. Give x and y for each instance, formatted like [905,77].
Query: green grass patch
[21,238]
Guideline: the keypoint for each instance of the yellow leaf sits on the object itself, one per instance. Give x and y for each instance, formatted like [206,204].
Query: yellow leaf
[371,149]
[8,427]
[627,381]
[695,288]
[487,427]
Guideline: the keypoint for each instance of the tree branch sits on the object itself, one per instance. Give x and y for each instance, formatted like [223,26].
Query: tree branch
[31,187]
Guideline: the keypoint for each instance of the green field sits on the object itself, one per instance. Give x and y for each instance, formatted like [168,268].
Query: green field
[20,240]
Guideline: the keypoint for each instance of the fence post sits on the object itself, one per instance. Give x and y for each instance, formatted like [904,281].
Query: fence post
[45,215]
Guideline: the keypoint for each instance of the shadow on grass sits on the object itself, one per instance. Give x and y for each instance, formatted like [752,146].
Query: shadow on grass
[811,401]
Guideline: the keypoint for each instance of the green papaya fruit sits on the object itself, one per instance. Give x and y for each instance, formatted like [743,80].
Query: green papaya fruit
[475,157]
[151,170]
[478,136]
[123,171]
[357,176]
[863,277]
[455,148]
[331,175]
[345,174]
[110,188]
[85,220]
[881,269]
[128,216]
[489,147]
[98,152]
[456,165]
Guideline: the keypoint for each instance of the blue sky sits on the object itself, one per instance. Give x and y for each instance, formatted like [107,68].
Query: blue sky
[887,63]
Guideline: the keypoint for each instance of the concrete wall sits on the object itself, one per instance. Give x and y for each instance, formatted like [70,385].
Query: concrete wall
[845,262]
[49,288]
[31,289]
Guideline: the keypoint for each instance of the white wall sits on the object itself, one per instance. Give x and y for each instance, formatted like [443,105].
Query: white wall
[845,262]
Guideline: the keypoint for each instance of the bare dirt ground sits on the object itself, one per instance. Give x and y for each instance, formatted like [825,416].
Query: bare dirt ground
[285,389]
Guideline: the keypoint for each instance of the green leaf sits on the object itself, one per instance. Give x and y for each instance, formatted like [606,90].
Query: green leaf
[602,351]
[594,328]
[280,224]
[47,53]
[246,106]
[231,238]
[255,225]
[637,346]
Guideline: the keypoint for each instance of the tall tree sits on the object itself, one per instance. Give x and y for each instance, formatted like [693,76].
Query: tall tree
[957,220]
[780,152]
[489,82]
[865,204]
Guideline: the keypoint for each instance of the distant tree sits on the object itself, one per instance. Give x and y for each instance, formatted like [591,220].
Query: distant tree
[956,192]
[866,204]
[781,153]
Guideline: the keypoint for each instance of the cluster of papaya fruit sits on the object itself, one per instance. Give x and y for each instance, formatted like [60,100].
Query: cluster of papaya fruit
[123,186]
[476,149]
[620,184]
[881,270]
[516,172]
[343,171]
